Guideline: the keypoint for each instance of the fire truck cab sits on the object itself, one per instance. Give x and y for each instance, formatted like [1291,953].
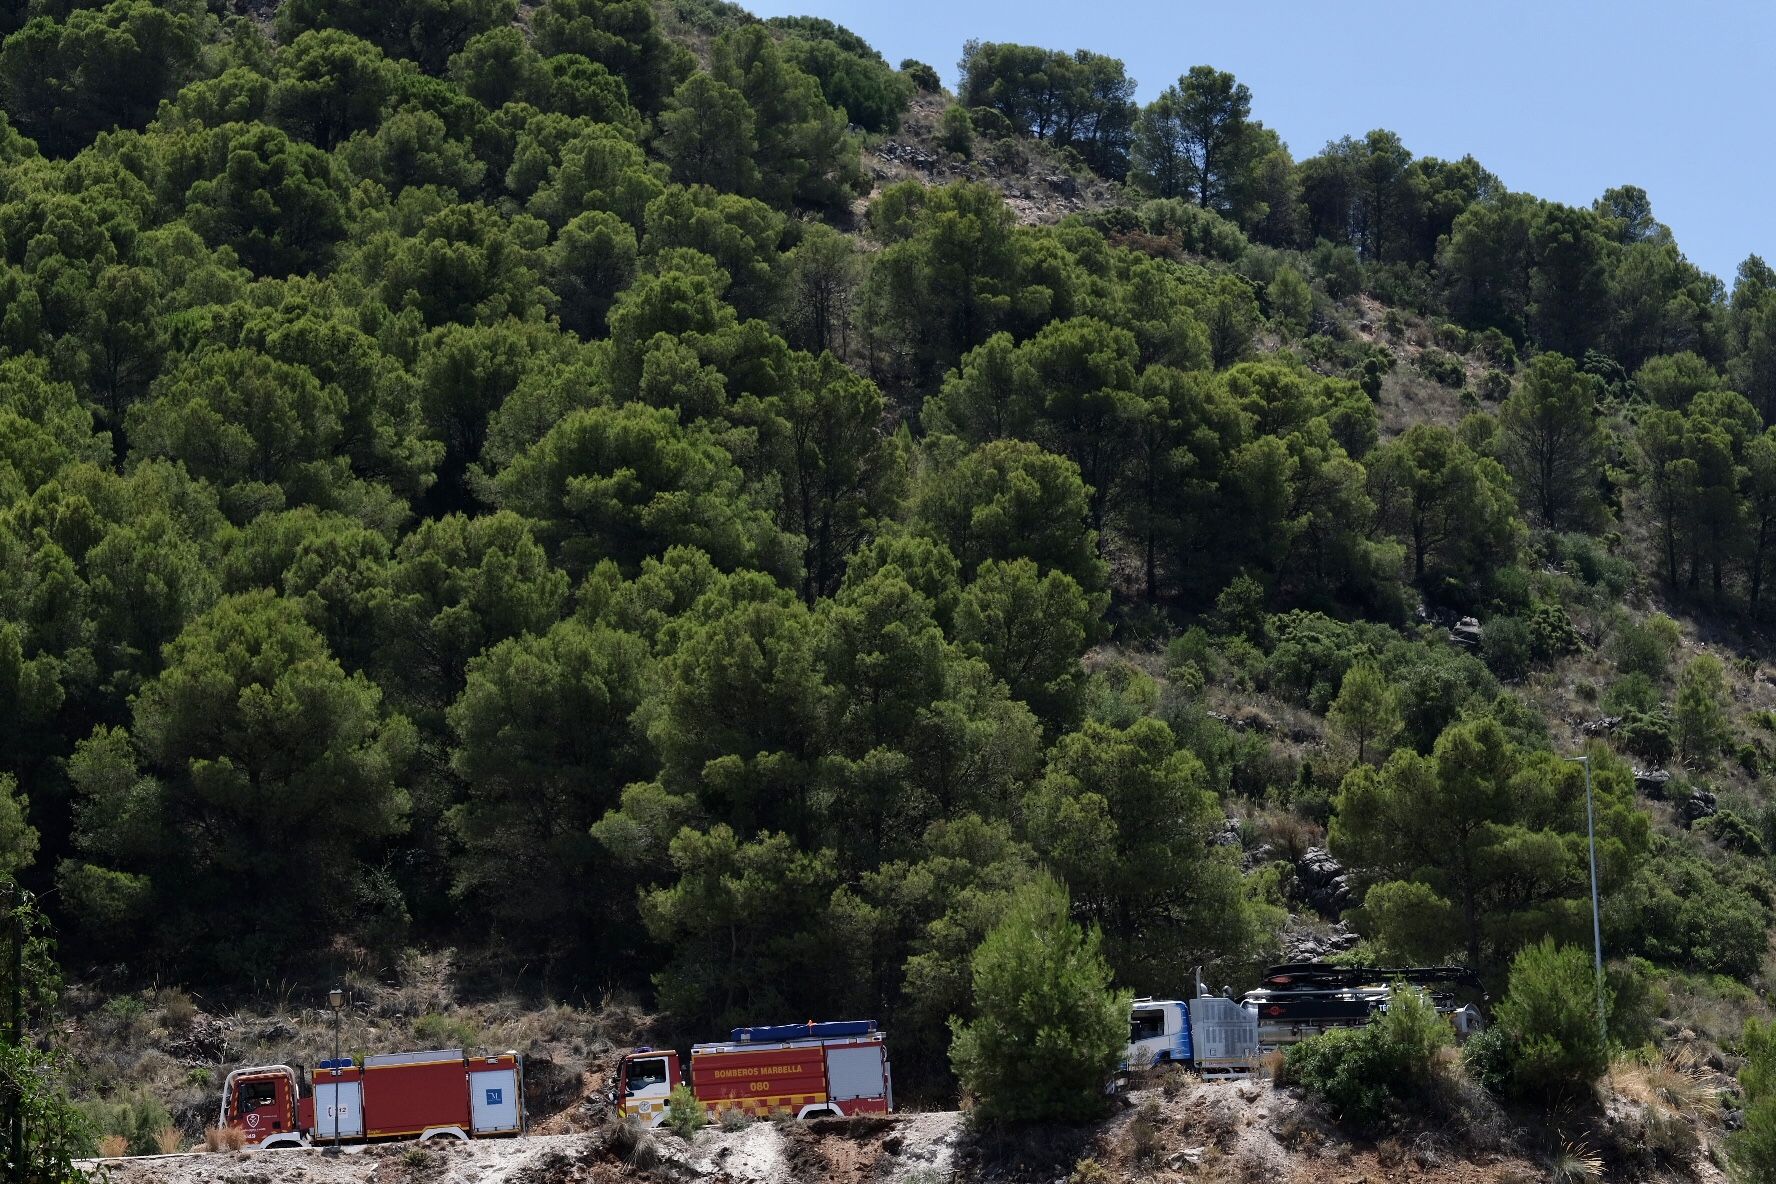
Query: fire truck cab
[645,1078]
[261,1102]
[819,1069]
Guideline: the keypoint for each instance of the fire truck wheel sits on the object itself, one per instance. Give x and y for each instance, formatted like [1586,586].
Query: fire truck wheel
[444,1132]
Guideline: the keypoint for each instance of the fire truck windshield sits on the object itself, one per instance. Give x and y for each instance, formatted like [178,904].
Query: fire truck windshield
[254,1094]
[644,1075]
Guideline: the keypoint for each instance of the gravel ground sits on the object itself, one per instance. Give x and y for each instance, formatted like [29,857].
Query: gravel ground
[916,1146]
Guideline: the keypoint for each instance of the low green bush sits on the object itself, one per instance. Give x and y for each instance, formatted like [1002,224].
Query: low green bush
[446,1031]
[1359,1072]
[1752,1148]
[956,132]
[685,1112]
[922,75]
[1442,368]
[1546,1041]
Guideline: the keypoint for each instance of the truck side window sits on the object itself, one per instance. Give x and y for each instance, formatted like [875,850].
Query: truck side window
[1147,1024]
[646,1074]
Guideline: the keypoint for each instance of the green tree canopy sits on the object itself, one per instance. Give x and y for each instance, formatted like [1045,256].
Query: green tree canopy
[252,760]
[1049,1029]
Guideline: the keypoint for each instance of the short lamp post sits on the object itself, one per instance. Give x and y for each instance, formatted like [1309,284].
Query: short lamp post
[1596,924]
[336,1000]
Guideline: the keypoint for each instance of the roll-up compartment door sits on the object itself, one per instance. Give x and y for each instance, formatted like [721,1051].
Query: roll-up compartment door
[855,1072]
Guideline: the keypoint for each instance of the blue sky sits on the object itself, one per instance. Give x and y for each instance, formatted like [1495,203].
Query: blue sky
[1561,98]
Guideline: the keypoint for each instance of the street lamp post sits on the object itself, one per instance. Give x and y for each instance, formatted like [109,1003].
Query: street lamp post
[1596,923]
[336,999]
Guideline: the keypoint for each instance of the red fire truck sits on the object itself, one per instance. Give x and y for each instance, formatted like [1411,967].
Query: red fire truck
[402,1095]
[836,1068]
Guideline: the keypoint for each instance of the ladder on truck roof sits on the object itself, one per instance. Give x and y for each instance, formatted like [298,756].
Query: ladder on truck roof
[1320,976]
[812,1030]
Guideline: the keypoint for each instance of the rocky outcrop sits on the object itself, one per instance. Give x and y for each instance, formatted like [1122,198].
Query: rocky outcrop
[1322,882]
[1316,943]
[1699,805]
[1467,632]
[1651,782]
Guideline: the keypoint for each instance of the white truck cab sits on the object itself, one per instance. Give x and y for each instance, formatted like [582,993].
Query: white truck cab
[1159,1033]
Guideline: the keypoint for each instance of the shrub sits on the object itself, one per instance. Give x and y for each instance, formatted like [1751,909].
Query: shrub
[1487,1057]
[224,1138]
[1589,556]
[1452,337]
[989,124]
[1050,1029]
[630,1142]
[1239,609]
[1408,920]
[1632,693]
[1340,272]
[1192,647]
[1442,368]
[1702,728]
[1195,230]
[1375,365]
[1144,1141]
[176,1009]
[1089,1171]
[1498,348]
[1647,736]
[1411,1032]
[1358,1071]
[1342,1067]
[1685,910]
[1495,386]
[921,75]
[685,1112]
[1637,998]
[1646,646]
[1752,1149]
[1551,632]
[1506,648]
[1733,833]
[445,1031]
[956,132]
[1312,656]
[1549,1016]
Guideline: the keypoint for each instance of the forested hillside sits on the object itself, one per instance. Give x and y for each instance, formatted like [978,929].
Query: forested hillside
[523,481]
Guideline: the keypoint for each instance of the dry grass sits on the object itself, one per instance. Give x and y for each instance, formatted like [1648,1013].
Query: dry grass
[1288,834]
[112,1146]
[629,1141]
[170,1140]
[224,1138]
[1575,1163]
[176,1009]
[1144,1139]
[1668,1086]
